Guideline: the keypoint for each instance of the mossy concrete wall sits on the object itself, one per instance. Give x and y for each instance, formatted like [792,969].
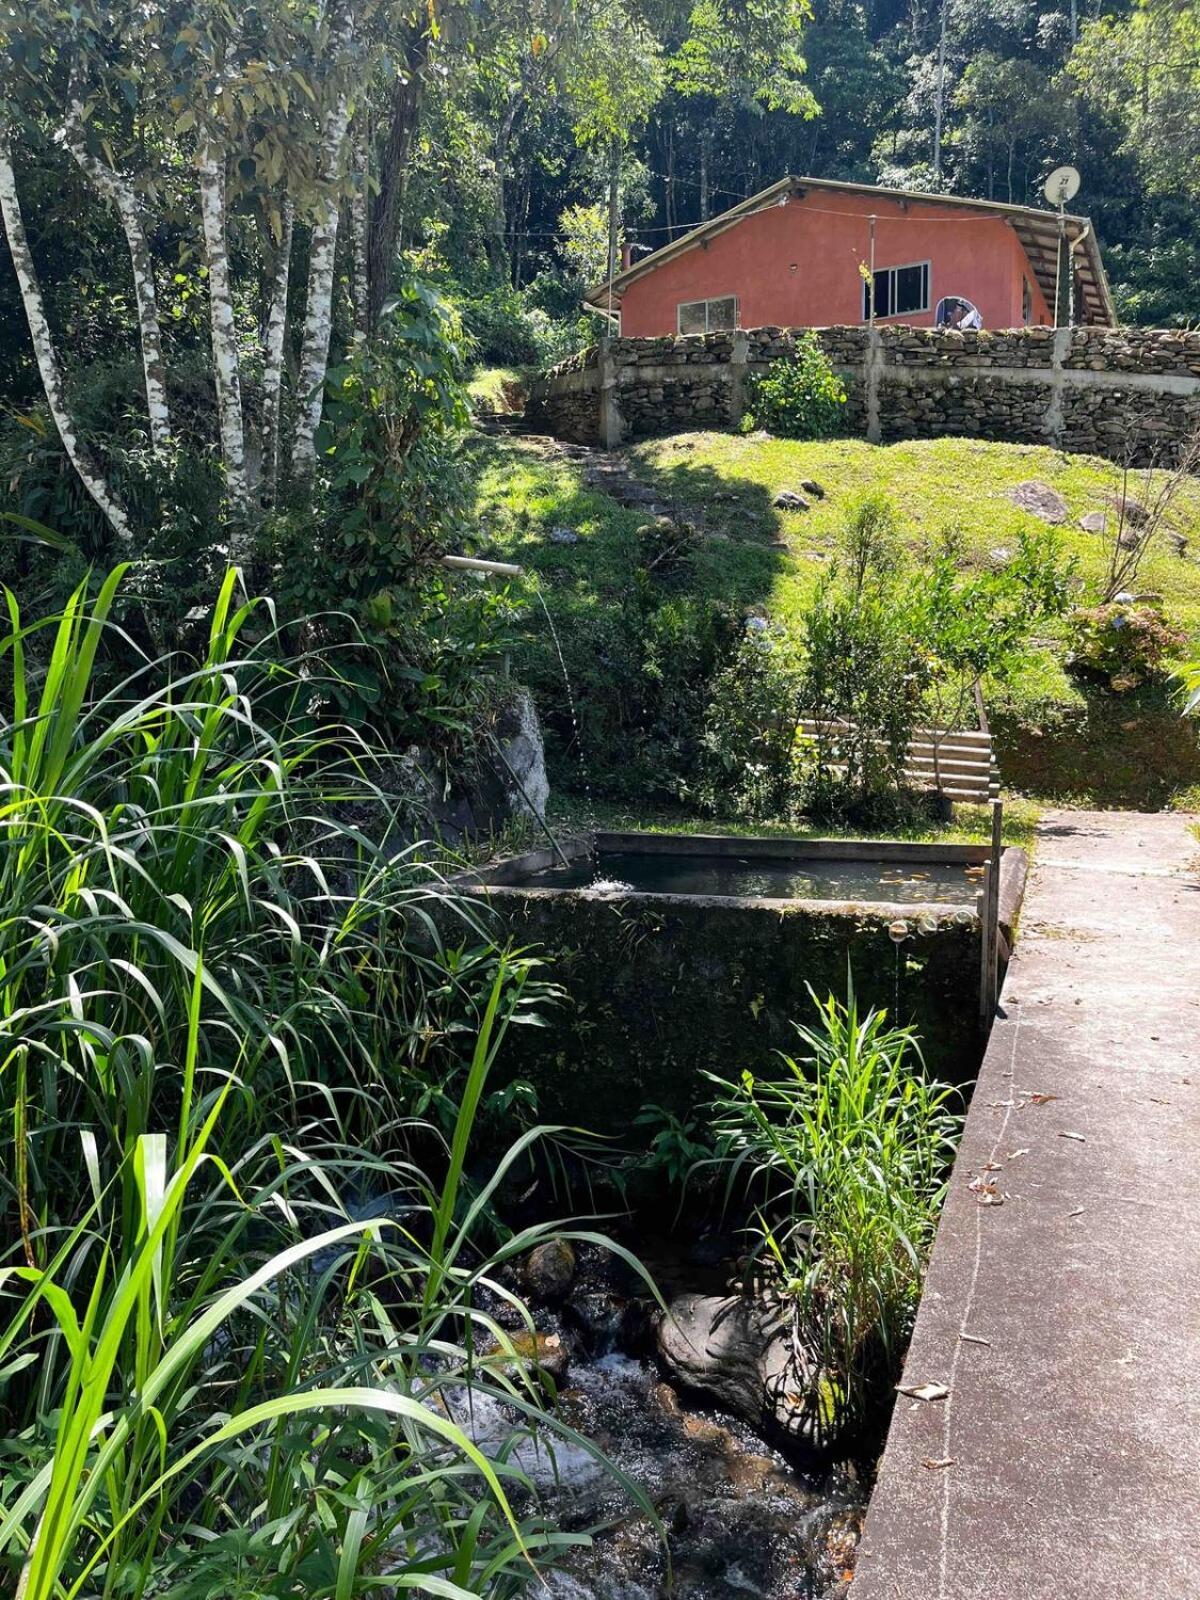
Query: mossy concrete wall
[663,989]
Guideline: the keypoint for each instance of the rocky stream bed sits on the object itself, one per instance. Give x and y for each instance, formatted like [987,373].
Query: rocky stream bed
[741,1509]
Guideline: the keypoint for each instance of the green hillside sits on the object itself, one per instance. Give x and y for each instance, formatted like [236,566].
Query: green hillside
[1059,736]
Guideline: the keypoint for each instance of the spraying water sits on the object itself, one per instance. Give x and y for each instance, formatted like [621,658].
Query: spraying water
[566,678]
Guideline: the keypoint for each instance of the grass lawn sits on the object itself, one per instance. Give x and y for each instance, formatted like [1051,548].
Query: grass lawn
[497,389]
[1069,740]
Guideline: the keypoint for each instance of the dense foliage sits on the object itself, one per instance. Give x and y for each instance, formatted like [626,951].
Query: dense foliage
[1124,641]
[822,722]
[246,1036]
[798,397]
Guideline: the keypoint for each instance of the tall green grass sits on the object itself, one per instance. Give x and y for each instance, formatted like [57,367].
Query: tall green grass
[845,1155]
[240,1324]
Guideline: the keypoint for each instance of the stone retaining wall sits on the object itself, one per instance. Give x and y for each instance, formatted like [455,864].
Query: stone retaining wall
[1124,393]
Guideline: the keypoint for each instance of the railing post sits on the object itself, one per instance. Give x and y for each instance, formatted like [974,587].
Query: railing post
[989,922]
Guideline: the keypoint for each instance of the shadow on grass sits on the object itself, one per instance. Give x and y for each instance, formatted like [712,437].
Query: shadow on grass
[647,614]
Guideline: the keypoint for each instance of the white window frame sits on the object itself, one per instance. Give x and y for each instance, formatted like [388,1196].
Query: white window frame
[690,305]
[869,293]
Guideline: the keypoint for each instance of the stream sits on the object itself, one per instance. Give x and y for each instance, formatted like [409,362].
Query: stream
[738,1517]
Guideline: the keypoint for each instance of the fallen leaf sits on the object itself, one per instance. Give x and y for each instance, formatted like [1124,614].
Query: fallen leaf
[1063,1133]
[946,1461]
[1041,1099]
[1023,1151]
[991,1166]
[923,1391]
[974,1338]
[1078,1212]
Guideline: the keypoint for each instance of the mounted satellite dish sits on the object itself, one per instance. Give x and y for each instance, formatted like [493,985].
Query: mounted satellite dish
[1062,185]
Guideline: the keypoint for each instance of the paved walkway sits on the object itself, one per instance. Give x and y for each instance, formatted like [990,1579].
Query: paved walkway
[1062,1311]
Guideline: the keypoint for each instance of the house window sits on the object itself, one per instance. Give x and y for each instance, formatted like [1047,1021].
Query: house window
[1026,301]
[899,291]
[708,316]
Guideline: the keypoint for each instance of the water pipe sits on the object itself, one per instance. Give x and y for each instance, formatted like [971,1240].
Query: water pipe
[497,569]
[538,817]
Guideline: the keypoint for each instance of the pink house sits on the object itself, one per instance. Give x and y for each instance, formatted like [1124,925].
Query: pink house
[809,252]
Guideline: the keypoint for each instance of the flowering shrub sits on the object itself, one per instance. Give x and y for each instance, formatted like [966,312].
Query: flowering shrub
[1125,640]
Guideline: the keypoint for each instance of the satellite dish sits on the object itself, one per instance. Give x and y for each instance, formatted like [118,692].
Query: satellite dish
[1062,185]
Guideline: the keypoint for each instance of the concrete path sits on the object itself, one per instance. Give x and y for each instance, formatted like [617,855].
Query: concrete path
[1062,1310]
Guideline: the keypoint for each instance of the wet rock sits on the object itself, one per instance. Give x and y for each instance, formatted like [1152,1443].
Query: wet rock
[545,1351]
[737,1351]
[1040,499]
[550,1270]
[603,1320]
[789,500]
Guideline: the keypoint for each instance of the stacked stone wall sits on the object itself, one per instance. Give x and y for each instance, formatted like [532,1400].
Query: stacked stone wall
[1126,393]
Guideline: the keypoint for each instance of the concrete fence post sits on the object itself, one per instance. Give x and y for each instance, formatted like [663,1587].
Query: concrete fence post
[612,424]
[873,364]
[739,357]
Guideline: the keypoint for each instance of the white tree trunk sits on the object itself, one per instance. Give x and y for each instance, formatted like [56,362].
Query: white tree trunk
[273,350]
[119,192]
[43,346]
[358,228]
[224,331]
[318,310]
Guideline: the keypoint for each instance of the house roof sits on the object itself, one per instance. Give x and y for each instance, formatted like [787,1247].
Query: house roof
[1036,228]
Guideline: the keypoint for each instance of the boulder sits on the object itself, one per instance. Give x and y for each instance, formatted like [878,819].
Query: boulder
[1040,499]
[1131,511]
[1094,522]
[789,500]
[812,487]
[738,1351]
[550,1270]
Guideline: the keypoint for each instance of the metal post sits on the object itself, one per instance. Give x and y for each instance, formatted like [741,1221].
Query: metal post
[989,923]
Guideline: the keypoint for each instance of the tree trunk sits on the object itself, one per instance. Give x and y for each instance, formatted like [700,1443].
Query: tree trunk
[119,192]
[403,114]
[43,346]
[940,106]
[705,141]
[614,213]
[359,223]
[273,355]
[318,309]
[669,181]
[498,237]
[224,331]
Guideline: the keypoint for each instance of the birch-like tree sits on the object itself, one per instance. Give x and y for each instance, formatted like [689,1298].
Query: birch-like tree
[254,121]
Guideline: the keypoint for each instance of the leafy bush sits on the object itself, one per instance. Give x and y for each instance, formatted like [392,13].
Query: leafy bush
[799,396]
[1124,641]
[865,671]
[511,327]
[844,1157]
[751,763]
[415,652]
